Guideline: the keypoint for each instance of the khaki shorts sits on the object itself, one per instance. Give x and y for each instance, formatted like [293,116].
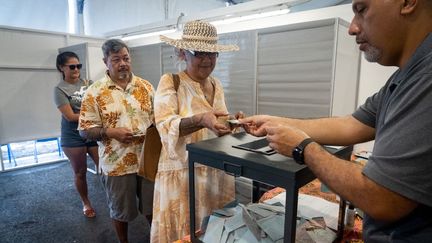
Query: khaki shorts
[128,194]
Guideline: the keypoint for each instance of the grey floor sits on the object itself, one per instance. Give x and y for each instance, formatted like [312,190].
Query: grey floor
[40,204]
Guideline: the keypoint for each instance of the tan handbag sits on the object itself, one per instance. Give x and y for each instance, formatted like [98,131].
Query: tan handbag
[149,158]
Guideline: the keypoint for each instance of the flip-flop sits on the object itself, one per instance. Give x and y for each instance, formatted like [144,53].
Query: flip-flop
[89,212]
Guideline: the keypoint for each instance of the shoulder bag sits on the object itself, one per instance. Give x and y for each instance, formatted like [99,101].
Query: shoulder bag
[149,158]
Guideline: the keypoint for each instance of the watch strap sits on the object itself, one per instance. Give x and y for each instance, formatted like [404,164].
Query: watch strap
[304,143]
[298,152]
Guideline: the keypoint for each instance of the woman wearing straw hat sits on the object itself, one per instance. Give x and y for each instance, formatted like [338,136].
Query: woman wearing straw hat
[186,113]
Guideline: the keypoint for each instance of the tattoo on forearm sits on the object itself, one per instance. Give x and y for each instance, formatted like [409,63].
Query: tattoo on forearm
[189,125]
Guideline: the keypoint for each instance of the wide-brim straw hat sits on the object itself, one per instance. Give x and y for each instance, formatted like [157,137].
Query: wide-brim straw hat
[199,35]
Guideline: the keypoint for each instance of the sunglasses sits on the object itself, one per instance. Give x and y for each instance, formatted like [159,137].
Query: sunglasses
[202,54]
[73,66]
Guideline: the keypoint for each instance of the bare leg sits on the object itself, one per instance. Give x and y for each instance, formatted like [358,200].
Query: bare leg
[121,230]
[78,159]
[93,152]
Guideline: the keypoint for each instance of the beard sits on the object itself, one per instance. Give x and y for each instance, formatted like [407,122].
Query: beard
[124,75]
[373,54]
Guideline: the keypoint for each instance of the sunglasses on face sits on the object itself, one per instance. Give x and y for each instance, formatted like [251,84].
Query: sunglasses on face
[73,66]
[202,54]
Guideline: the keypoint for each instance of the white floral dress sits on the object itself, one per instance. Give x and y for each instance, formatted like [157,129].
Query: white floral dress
[213,187]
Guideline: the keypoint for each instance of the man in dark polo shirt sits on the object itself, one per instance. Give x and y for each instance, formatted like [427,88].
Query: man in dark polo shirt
[394,189]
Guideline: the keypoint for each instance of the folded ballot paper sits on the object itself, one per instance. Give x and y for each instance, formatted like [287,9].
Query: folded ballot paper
[261,222]
[311,206]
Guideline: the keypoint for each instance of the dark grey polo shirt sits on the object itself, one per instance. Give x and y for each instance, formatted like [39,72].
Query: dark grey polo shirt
[401,113]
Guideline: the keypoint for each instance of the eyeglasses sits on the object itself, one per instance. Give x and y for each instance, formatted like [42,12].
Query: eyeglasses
[202,54]
[73,66]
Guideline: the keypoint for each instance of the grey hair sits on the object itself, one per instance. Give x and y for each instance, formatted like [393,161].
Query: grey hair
[114,46]
[179,61]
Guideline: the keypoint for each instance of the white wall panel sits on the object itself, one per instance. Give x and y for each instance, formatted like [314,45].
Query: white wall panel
[77,39]
[170,63]
[27,109]
[372,77]
[29,48]
[295,70]
[97,67]
[146,63]
[27,78]
[236,71]
[346,72]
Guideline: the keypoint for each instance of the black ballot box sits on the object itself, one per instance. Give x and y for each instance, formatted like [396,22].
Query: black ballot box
[272,169]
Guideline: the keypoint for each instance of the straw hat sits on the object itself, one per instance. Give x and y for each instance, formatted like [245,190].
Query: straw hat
[199,36]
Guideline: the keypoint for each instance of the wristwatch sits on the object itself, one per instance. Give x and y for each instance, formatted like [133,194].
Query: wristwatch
[298,152]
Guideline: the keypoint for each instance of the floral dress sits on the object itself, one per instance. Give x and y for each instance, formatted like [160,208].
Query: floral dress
[213,187]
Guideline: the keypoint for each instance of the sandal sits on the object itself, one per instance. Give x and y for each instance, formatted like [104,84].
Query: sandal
[89,212]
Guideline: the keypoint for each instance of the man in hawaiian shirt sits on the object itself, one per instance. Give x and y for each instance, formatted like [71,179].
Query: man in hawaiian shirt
[116,111]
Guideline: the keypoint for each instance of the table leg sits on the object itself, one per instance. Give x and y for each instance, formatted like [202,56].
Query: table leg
[341,219]
[255,191]
[258,190]
[192,198]
[291,201]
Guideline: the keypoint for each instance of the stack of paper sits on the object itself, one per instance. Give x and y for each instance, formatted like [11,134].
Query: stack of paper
[252,223]
[264,222]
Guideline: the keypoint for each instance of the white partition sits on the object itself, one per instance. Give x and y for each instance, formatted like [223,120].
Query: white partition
[146,63]
[307,70]
[236,71]
[169,60]
[27,111]
[27,78]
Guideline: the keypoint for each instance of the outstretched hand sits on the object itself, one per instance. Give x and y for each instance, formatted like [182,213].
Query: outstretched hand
[233,121]
[254,124]
[210,121]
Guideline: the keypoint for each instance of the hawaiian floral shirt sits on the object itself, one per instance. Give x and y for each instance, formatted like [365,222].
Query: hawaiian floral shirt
[106,104]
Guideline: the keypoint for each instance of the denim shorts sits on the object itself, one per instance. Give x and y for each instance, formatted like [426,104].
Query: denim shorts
[71,138]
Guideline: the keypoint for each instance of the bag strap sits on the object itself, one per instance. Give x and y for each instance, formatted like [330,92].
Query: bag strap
[176,80]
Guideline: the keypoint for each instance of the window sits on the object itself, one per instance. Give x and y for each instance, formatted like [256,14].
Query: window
[30,153]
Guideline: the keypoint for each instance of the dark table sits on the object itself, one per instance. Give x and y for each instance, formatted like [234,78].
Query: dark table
[276,170]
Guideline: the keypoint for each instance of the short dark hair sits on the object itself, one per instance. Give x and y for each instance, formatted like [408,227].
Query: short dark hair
[114,46]
[63,57]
